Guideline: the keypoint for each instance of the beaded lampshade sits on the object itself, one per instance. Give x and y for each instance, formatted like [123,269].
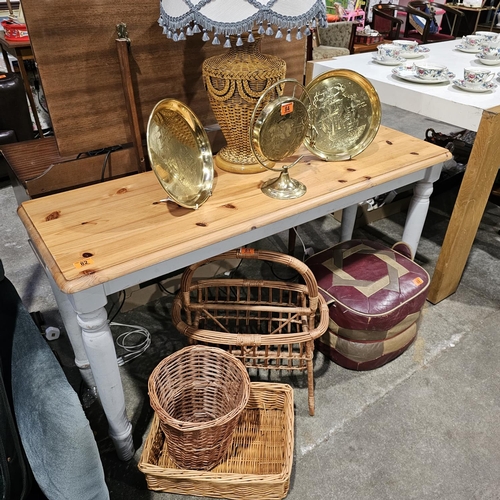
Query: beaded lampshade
[236,79]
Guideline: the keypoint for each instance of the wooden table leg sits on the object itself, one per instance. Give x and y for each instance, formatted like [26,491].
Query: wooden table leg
[469,207]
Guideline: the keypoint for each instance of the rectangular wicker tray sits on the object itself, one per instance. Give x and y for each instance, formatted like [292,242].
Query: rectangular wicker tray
[258,464]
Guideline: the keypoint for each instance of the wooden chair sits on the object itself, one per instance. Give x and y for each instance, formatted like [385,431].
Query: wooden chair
[386,22]
[424,33]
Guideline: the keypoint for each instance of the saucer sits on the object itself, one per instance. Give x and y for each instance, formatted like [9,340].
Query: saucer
[408,73]
[488,62]
[469,50]
[392,62]
[483,88]
[413,55]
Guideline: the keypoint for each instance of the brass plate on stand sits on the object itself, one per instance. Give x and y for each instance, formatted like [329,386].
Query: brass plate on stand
[345,111]
[180,153]
[280,128]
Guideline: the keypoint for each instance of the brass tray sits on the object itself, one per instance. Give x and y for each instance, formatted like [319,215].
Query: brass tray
[345,112]
[180,153]
[280,128]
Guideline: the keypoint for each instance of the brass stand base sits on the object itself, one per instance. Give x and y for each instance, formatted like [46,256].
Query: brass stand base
[238,168]
[283,187]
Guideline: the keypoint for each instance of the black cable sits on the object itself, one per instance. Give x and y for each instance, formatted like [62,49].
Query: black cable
[104,165]
[119,307]
[110,150]
[164,290]
[293,278]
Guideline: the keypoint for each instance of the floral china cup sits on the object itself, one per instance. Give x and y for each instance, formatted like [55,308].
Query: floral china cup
[472,41]
[489,37]
[389,52]
[430,71]
[476,77]
[490,52]
[407,46]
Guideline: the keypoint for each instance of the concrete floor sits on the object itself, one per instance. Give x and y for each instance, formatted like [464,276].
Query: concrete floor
[424,426]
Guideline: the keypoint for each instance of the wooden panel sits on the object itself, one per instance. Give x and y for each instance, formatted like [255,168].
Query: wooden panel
[75,49]
[41,170]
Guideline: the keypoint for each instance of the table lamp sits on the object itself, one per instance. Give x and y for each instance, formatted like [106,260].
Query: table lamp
[236,79]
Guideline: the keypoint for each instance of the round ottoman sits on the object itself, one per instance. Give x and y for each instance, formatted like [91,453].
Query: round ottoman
[375,296]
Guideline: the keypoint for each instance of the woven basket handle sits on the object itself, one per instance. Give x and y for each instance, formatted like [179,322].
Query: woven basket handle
[268,255]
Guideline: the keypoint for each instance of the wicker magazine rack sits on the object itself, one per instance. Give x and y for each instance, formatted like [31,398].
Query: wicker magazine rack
[266,324]
[256,467]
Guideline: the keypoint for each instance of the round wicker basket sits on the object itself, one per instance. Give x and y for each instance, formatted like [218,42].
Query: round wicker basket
[198,394]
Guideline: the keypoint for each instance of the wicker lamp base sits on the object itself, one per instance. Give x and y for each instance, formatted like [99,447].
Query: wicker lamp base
[235,81]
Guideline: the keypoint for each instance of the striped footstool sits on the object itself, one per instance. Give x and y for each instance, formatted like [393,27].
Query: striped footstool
[375,296]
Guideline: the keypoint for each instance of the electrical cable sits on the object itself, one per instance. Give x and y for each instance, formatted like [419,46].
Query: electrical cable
[302,242]
[119,307]
[165,290]
[110,150]
[133,351]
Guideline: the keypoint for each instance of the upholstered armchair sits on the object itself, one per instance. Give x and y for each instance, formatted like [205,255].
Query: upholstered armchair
[337,39]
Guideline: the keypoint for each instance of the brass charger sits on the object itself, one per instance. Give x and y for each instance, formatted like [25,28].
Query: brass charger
[180,153]
[276,134]
[345,112]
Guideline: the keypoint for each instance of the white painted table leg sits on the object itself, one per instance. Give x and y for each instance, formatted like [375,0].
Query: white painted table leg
[74,332]
[348,221]
[101,353]
[417,212]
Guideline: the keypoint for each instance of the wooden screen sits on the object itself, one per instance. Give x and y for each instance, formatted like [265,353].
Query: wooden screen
[75,49]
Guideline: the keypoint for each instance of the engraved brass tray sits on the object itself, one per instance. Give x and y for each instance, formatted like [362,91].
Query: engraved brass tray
[345,113]
[275,134]
[180,153]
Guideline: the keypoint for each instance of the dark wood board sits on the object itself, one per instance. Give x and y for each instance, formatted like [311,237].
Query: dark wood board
[74,44]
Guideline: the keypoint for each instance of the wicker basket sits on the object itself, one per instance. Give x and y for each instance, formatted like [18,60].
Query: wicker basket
[198,394]
[258,464]
[268,325]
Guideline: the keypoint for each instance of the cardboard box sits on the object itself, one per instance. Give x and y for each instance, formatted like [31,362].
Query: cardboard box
[139,295]
[365,216]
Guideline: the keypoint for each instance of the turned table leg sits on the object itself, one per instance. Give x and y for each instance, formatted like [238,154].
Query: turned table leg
[100,349]
[419,206]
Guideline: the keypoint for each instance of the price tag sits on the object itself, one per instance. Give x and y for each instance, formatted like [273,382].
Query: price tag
[79,264]
[286,108]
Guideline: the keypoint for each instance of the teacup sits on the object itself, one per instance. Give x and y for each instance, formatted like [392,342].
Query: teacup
[488,36]
[389,52]
[472,41]
[476,77]
[488,52]
[430,71]
[407,46]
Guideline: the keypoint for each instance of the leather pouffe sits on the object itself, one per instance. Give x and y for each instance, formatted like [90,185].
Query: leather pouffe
[375,296]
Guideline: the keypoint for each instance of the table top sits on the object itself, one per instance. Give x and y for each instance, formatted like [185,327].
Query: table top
[472,8]
[443,102]
[14,45]
[94,234]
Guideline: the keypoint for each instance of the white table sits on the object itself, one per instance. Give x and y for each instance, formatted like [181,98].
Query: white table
[479,112]
[100,239]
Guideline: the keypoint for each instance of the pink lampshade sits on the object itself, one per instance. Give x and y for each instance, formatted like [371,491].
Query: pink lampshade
[234,17]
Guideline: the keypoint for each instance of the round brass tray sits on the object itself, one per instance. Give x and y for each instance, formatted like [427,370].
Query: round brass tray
[280,128]
[180,153]
[345,112]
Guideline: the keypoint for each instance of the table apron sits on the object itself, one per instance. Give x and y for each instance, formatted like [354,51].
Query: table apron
[94,297]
